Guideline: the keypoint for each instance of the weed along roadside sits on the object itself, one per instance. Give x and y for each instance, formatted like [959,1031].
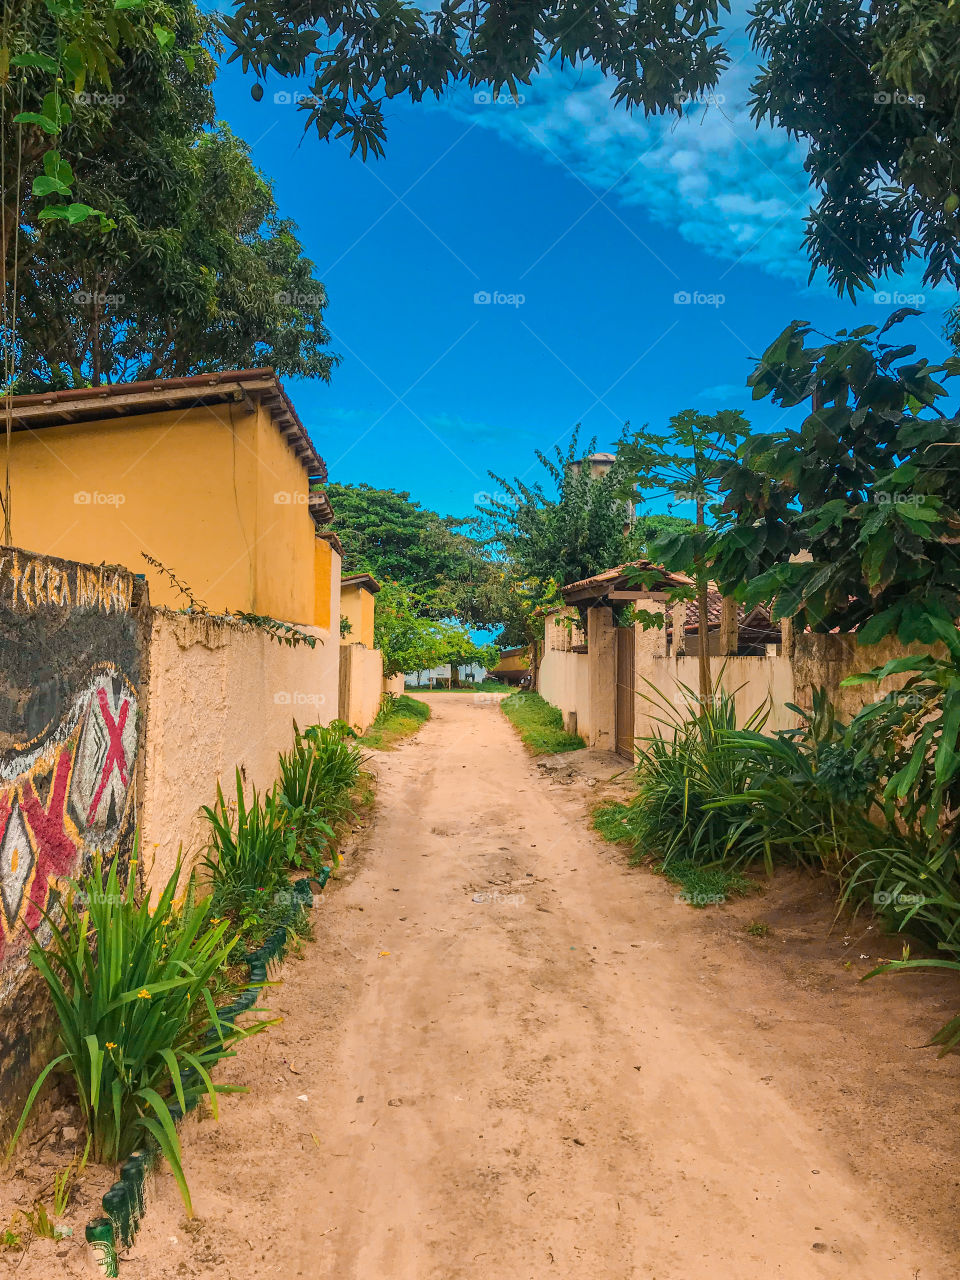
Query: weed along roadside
[721,810]
[151,997]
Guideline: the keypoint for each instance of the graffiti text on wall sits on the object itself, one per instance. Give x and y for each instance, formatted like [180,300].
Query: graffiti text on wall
[29,583]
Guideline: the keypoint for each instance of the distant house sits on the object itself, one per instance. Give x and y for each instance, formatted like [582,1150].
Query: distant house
[514,664]
[468,673]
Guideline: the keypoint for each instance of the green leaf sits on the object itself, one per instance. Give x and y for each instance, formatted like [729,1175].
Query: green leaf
[41,121]
[165,37]
[41,60]
[44,186]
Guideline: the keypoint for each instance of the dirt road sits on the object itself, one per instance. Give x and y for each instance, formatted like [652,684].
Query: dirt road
[508,1056]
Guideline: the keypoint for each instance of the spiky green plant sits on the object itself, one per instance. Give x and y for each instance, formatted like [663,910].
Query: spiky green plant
[246,853]
[137,1026]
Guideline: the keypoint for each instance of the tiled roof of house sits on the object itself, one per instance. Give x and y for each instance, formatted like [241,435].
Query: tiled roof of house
[757,618]
[119,399]
[365,580]
[614,578]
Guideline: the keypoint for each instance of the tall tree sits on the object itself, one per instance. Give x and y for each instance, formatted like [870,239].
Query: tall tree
[196,270]
[866,486]
[566,527]
[388,534]
[684,465]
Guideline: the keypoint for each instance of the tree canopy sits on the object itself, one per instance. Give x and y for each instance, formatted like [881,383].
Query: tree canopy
[848,520]
[439,558]
[567,526]
[193,270]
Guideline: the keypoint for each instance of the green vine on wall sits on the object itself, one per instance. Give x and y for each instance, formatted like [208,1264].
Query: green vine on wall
[282,632]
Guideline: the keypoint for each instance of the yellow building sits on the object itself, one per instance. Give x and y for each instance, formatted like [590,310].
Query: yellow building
[212,476]
[357,606]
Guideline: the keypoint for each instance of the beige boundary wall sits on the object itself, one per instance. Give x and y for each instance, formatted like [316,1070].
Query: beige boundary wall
[361,685]
[583,684]
[220,695]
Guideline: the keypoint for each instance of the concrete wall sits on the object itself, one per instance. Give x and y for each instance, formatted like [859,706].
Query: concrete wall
[582,685]
[71,705]
[214,493]
[357,604]
[221,695]
[361,685]
[393,685]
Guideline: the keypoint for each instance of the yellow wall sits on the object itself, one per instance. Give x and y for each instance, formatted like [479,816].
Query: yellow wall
[357,605]
[326,612]
[214,493]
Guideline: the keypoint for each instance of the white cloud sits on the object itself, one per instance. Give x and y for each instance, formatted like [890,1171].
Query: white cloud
[736,191]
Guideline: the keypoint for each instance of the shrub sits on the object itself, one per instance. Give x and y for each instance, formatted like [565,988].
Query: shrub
[138,1029]
[246,851]
[690,802]
[317,777]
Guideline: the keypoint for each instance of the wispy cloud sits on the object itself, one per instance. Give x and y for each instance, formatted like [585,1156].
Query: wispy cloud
[737,191]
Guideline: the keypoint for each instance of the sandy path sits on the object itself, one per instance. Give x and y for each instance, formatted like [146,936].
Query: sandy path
[571,1085]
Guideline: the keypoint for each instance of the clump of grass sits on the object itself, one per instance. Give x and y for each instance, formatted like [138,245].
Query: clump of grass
[398,718]
[705,886]
[540,725]
[137,1027]
[757,929]
[616,821]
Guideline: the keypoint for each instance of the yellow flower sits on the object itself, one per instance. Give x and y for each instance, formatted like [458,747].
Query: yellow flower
[143,994]
[111,1044]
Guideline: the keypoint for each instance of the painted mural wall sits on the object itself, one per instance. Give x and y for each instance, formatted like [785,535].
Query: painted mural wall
[70,674]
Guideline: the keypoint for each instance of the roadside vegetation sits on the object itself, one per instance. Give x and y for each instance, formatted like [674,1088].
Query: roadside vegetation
[140,990]
[870,803]
[539,724]
[399,717]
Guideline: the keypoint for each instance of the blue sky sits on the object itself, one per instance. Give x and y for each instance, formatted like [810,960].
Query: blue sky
[595,219]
